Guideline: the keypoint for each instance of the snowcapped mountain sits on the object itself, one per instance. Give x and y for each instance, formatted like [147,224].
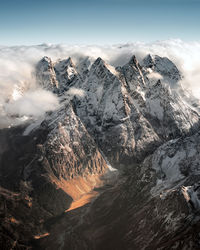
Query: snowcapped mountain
[163,66]
[45,74]
[136,118]
[66,74]
[125,102]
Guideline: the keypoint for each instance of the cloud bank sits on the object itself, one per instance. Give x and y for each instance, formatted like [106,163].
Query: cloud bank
[21,96]
[32,103]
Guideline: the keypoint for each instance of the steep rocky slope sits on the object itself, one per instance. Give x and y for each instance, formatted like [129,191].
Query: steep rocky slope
[43,169]
[154,205]
[59,186]
[140,111]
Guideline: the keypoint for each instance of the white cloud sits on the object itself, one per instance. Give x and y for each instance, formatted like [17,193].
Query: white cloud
[76,92]
[33,103]
[17,64]
[154,76]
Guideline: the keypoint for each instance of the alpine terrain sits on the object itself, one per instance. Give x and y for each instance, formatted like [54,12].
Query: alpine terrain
[115,167]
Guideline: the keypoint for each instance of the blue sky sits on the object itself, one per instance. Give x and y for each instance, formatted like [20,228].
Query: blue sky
[97,22]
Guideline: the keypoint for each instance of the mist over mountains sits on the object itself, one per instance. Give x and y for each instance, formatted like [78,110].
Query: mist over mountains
[17,67]
[99,147]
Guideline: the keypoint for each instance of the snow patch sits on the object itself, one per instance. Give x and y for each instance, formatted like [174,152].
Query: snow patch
[33,126]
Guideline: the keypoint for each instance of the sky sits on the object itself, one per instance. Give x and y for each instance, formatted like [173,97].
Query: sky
[28,22]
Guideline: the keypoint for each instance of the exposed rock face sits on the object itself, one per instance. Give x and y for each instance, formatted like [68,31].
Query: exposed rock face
[134,117]
[148,209]
[66,74]
[163,66]
[177,161]
[45,74]
[125,103]
[57,77]
[43,172]
[111,116]
[159,103]
[173,115]
[83,66]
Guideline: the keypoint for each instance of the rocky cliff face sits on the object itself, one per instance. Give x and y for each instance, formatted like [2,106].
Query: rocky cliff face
[45,74]
[163,66]
[154,205]
[43,169]
[133,117]
[140,111]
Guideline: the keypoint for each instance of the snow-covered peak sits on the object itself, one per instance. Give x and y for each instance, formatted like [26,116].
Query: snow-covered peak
[62,65]
[148,61]
[162,65]
[66,68]
[134,77]
[66,74]
[98,64]
[83,66]
[45,74]
[102,70]
[45,63]
[46,60]
[133,61]
[99,61]
[111,95]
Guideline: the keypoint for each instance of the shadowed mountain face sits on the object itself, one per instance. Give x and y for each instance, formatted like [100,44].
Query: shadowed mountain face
[116,166]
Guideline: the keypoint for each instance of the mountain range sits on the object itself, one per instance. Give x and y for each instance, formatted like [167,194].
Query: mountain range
[116,166]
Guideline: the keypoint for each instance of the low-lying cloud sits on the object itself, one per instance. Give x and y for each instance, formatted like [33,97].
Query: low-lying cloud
[17,66]
[154,76]
[33,103]
[76,92]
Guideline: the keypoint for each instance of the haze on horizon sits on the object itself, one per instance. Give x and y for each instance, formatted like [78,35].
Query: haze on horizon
[27,22]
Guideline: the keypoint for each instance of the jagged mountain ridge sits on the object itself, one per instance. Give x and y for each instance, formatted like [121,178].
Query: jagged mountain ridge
[123,116]
[124,101]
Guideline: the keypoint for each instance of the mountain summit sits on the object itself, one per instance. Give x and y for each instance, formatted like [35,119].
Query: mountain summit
[116,166]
